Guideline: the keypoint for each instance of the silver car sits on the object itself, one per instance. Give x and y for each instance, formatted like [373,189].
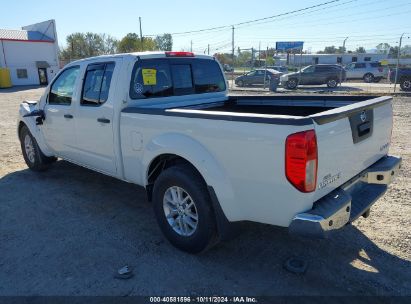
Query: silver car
[368,71]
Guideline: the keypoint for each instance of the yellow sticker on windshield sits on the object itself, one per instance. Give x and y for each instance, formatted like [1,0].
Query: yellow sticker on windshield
[149,76]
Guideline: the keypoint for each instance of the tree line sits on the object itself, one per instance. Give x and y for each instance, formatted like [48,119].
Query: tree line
[381,48]
[83,45]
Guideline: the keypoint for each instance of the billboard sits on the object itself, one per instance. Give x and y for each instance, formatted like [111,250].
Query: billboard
[289,45]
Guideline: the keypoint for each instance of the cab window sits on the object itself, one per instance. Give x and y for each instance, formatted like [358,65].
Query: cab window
[152,78]
[96,84]
[62,89]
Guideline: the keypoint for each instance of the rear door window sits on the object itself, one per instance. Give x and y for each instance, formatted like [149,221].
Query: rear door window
[97,83]
[175,77]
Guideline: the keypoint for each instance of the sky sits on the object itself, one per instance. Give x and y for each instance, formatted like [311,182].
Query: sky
[365,22]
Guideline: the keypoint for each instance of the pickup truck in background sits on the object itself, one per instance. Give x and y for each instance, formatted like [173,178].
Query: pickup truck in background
[403,78]
[164,121]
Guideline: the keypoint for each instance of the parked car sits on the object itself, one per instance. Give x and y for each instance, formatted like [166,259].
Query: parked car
[227,68]
[279,68]
[328,74]
[257,77]
[206,159]
[403,78]
[368,71]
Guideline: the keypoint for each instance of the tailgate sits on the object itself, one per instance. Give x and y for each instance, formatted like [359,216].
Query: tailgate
[350,139]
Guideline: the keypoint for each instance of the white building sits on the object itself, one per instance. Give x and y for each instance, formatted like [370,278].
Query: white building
[31,54]
[307,59]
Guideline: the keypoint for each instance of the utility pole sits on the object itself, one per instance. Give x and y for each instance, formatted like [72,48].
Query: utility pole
[398,62]
[191,46]
[265,70]
[141,35]
[259,52]
[252,58]
[208,49]
[342,60]
[232,56]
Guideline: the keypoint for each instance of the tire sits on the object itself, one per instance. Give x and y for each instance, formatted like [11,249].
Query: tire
[405,84]
[332,83]
[368,78]
[199,232]
[34,158]
[240,83]
[292,84]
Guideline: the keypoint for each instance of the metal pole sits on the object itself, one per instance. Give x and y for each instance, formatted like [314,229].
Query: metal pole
[191,46]
[208,49]
[342,60]
[301,60]
[232,56]
[141,35]
[259,53]
[265,71]
[398,62]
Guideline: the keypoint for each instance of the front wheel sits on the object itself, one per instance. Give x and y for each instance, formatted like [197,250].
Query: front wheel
[405,84]
[368,78]
[34,158]
[291,84]
[332,83]
[240,83]
[183,209]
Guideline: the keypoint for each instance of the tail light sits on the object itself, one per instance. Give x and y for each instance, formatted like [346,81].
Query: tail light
[301,160]
[179,54]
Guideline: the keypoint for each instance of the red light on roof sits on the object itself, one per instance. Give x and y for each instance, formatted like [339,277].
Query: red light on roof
[179,54]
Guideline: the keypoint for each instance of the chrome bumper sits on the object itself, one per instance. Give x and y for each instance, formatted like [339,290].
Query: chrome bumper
[348,202]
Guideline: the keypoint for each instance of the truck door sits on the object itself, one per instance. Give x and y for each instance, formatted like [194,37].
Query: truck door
[58,127]
[94,117]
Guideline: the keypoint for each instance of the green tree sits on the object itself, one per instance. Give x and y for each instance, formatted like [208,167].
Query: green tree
[129,43]
[329,50]
[243,57]
[224,58]
[132,43]
[360,50]
[164,42]
[383,48]
[82,45]
[393,52]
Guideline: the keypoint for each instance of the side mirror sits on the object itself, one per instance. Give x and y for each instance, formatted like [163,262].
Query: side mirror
[39,114]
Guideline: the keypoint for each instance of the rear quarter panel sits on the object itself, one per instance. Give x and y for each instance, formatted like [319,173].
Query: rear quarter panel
[251,183]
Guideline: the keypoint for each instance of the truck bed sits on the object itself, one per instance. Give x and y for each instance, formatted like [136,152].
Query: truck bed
[300,106]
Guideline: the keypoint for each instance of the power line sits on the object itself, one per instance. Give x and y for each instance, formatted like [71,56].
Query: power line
[256,20]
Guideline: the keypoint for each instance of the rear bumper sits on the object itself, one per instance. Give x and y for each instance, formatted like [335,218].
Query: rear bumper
[348,202]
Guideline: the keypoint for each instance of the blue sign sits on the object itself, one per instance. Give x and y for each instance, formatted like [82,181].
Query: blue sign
[289,45]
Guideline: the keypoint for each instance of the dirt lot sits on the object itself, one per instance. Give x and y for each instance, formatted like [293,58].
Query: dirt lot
[65,232]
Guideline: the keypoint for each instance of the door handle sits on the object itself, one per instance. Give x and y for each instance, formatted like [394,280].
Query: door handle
[103,120]
[69,116]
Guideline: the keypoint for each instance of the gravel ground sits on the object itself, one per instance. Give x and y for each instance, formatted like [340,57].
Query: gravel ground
[66,231]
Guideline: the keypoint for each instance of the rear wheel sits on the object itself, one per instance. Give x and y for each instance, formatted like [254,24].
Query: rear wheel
[405,84]
[183,209]
[291,84]
[34,158]
[368,78]
[332,83]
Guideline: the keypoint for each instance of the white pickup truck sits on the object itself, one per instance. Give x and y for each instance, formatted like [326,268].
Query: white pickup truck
[164,120]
